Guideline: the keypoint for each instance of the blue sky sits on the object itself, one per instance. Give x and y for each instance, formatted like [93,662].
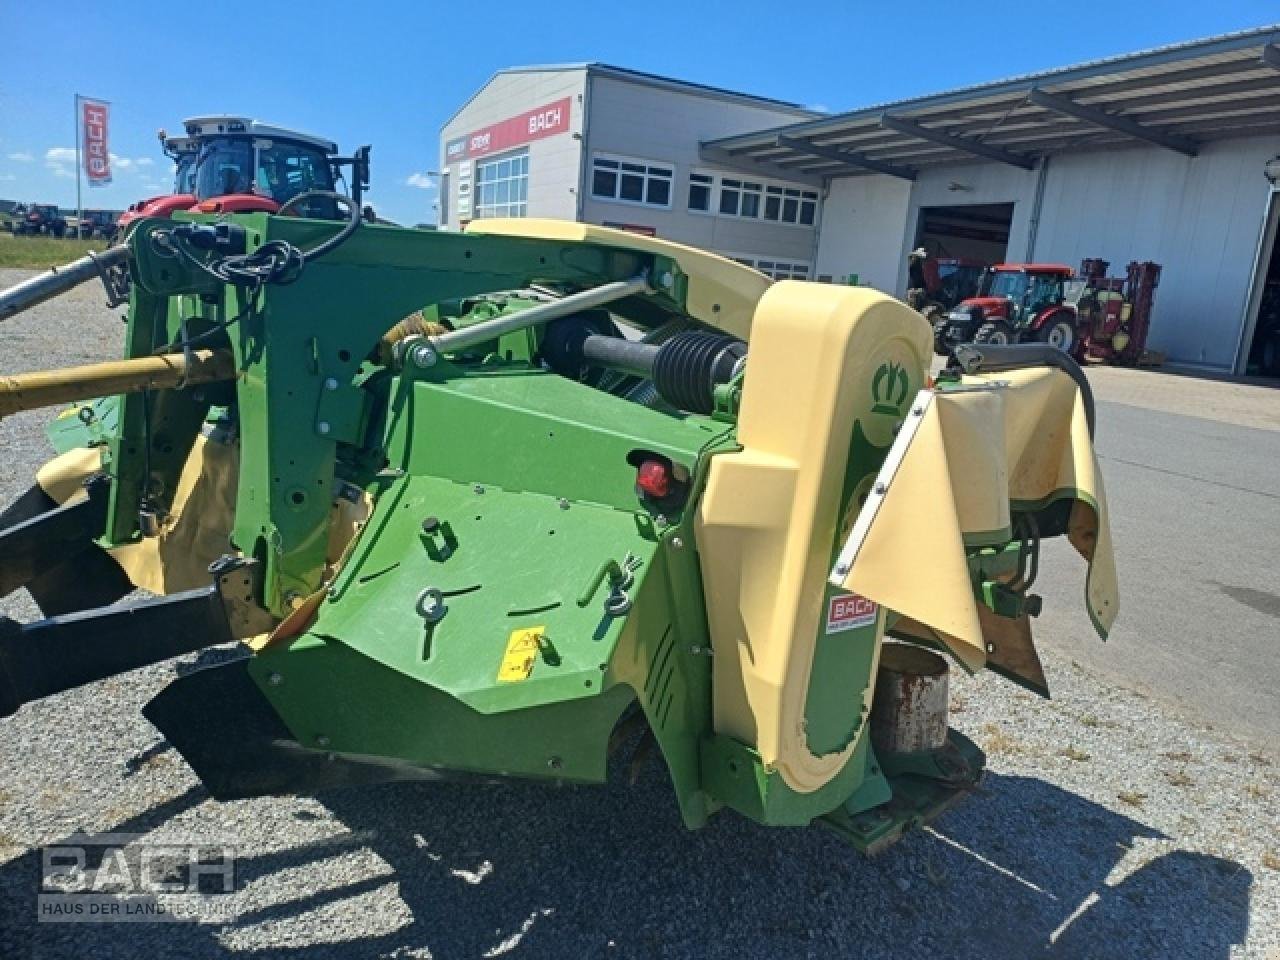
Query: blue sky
[390,73]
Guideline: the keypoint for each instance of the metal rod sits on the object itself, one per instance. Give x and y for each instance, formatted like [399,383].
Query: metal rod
[627,356]
[79,201]
[56,280]
[47,388]
[487,330]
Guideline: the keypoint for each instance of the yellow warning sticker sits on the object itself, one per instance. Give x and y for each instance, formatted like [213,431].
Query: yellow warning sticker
[521,654]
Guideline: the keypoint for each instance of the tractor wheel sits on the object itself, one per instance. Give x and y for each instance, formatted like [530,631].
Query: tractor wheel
[1059,332]
[998,334]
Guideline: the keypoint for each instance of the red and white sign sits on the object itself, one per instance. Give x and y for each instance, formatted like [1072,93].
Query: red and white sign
[848,610]
[536,124]
[97,158]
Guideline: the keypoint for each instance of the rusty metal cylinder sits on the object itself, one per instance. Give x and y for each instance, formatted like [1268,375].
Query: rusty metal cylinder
[47,388]
[909,710]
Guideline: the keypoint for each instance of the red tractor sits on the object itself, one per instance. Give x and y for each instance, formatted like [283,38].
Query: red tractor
[1088,315]
[40,218]
[235,165]
[1016,303]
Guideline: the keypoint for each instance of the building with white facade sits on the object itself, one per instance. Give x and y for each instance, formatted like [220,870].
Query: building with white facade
[611,146]
[1166,155]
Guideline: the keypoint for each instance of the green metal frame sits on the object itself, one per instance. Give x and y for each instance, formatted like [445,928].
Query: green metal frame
[505,489]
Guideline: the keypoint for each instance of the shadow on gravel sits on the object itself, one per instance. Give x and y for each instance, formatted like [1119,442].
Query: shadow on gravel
[1026,869]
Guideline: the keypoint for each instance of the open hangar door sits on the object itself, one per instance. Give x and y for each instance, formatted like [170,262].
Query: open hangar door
[1262,348]
[978,231]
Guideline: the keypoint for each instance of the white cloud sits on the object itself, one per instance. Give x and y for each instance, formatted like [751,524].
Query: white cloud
[145,161]
[21,157]
[818,108]
[61,161]
[423,181]
[7,178]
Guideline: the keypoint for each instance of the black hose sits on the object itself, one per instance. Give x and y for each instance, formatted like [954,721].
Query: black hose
[277,261]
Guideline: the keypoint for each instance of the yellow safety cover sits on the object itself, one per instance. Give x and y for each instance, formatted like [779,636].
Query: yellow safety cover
[197,530]
[722,294]
[1017,437]
[822,358]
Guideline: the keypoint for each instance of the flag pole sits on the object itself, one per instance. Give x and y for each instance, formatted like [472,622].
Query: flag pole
[79,201]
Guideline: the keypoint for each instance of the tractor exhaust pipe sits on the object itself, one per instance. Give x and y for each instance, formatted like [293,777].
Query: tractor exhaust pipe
[49,388]
[57,280]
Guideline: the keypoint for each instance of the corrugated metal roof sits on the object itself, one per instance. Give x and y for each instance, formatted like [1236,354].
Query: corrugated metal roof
[1177,96]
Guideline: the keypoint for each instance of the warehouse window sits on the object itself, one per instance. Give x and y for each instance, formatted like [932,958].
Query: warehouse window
[774,269]
[626,180]
[700,192]
[502,186]
[791,205]
[740,198]
[783,270]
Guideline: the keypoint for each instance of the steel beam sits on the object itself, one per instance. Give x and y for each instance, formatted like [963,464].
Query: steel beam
[1112,121]
[846,157]
[761,168]
[35,546]
[963,144]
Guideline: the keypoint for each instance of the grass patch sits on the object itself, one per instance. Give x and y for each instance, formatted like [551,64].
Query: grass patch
[39,253]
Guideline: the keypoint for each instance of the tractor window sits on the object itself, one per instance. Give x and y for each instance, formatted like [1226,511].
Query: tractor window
[184,174]
[288,169]
[1007,284]
[224,166]
[1046,290]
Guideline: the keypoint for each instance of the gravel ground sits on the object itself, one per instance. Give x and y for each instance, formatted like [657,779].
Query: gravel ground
[1108,827]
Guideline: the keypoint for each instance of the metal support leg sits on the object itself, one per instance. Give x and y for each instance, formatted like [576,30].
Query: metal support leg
[48,656]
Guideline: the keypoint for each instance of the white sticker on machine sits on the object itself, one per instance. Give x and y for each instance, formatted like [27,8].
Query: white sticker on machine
[845,611]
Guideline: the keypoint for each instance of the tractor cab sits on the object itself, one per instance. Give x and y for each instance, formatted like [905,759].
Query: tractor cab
[229,164]
[243,165]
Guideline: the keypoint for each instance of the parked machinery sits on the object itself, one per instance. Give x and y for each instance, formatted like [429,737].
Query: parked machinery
[509,501]
[40,218]
[1087,315]
[1015,303]
[97,223]
[1114,312]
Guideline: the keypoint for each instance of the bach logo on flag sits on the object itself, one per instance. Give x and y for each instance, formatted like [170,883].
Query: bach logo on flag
[97,159]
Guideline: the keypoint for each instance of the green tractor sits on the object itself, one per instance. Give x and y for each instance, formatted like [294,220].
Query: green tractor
[506,502]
